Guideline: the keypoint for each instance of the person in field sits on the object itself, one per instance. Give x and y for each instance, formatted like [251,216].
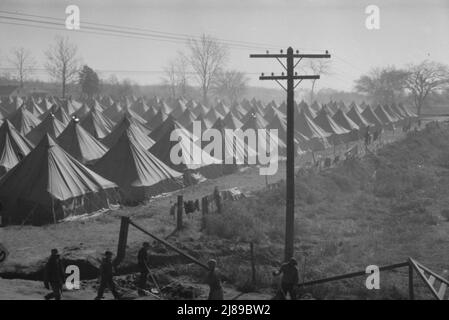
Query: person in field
[214,281]
[289,280]
[54,276]
[142,263]
[107,277]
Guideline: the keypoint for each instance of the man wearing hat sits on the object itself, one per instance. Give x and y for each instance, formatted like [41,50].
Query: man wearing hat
[54,276]
[290,278]
[106,276]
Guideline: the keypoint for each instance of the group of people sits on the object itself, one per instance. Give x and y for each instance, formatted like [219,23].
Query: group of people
[54,276]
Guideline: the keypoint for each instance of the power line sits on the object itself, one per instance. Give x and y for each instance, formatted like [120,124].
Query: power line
[109,31]
[187,36]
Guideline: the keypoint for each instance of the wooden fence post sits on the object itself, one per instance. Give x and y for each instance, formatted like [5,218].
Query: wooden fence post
[179,214]
[204,211]
[253,263]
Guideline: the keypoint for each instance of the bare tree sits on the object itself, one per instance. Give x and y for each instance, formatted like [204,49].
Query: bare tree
[170,78]
[62,62]
[207,58]
[320,67]
[230,85]
[176,76]
[424,79]
[23,62]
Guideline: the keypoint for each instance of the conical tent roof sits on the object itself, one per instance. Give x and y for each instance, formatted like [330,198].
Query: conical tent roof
[71,106]
[60,114]
[129,125]
[80,144]
[114,112]
[307,127]
[383,115]
[168,125]
[341,106]
[212,116]
[97,124]
[410,113]
[270,113]
[256,121]
[82,111]
[49,125]
[357,117]
[178,108]
[129,113]
[158,119]
[189,150]
[32,107]
[150,113]
[324,120]
[164,107]
[392,113]
[315,107]
[369,115]
[398,111]
[354,105]
[140,107]
[279,123]
[23,121]
[221,108]
[128,164]
[13,147]
[45,175]
[344,121]
[233,146]
[250,114]
[186,118]
[238,110]
[200,109]
[205,124]
[231,122]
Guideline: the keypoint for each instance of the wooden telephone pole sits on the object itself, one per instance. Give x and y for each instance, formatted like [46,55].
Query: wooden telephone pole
[290,89]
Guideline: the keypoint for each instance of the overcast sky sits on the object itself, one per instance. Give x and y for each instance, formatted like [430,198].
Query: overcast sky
[410,31]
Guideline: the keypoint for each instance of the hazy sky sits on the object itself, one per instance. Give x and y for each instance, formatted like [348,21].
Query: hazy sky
[410,31]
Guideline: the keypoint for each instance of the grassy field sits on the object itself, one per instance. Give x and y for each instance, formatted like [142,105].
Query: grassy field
[378,210]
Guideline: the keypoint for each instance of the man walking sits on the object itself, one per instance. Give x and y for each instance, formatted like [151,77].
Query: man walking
[106,277]
[142,263]
[54,276]
[289,279]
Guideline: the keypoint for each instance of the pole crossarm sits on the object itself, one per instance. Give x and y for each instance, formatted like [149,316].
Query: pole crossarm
[297,55]
[307,77]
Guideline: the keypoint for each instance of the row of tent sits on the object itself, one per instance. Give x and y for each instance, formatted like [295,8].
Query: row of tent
[63,157]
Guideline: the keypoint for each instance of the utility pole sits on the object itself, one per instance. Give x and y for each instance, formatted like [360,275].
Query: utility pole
[290,89]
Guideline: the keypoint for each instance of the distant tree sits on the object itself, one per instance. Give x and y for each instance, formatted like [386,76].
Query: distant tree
[89,81]
[426,78]
[382,86]
[320,67]
[62,62]
[23,62]
[230,85]
[207,58]
[125,88]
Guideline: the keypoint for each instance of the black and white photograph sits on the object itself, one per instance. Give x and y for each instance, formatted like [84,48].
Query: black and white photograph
[234,151]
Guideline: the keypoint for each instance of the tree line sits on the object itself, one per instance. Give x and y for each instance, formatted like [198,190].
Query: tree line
[416,82]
